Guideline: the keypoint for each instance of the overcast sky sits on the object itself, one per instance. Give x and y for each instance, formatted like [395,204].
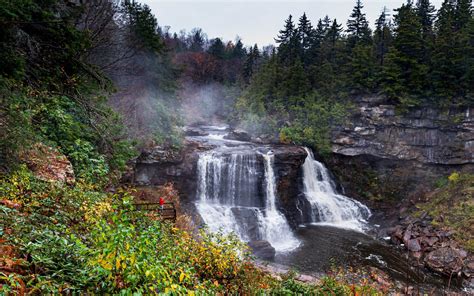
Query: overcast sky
[256,21]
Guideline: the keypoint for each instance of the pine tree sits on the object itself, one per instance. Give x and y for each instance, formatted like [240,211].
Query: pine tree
[358,27]
[470,64]
[197,40]
[453,52]
[382,37]
[426,13]
[326,22]
[362,69]
[289,49]
[294,85]
[406,68]
[217,48]
[306,37]
[332,37]
[306,32]
[251,63]
[319,34]
[284,36]
[463,14]
[239,50]
[443,76]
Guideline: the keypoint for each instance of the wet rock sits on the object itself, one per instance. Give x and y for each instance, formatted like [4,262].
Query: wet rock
[413,245]
[190,132]
[445,260]
[262,249]
[288,162]
[238,135]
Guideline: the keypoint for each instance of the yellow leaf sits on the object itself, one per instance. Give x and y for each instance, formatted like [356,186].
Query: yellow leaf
[147,273]
[181,277]
[117,264]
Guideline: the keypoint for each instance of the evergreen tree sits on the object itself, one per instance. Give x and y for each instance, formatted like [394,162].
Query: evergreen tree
[319,35]
[362,69]
[326,22]
[406,72]
[333,35]
[463,14]
[251,63]
[197,40]
[453,52]
[239,50]
[144,24]
[294,85]
[470,64]
[217,48]
[289,43]
[382,37]
[358,27]
[426,13]
[287,32]
[306,32]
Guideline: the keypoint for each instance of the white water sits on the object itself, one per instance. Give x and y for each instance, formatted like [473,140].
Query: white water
[277,231]
[329,207]
[228,199]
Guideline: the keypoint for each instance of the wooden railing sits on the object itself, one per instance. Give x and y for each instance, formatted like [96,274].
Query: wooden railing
[167,213]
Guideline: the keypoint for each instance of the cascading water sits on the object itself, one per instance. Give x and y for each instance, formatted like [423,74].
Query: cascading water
[230,199]
[277,230]
[327,206]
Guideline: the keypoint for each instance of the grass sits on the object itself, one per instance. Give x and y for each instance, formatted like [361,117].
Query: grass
[451,207]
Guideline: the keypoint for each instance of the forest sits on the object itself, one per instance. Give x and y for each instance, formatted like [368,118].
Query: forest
[87,86]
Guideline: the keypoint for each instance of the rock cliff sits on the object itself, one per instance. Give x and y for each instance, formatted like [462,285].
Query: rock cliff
[406,149]
[158,166]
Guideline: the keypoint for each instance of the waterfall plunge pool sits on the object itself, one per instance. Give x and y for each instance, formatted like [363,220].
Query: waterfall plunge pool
[324,247]
[237,193]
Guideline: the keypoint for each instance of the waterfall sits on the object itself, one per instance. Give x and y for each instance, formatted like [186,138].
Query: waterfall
[327,206]
[230,199]
[277,230]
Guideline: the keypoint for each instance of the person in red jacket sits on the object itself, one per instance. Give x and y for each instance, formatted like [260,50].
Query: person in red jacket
[162,202]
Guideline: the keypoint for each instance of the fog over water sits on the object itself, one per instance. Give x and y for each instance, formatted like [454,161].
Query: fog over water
[256,21]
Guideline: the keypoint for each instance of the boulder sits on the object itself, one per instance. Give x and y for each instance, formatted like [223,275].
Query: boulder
[190,132]
[238,135]
[445,260]
[262,249]
[413,245]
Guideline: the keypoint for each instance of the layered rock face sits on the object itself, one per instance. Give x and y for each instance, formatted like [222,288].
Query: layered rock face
[411,148]
[158,167]
[288,163]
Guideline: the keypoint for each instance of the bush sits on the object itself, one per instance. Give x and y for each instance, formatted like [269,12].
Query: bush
[81,240]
